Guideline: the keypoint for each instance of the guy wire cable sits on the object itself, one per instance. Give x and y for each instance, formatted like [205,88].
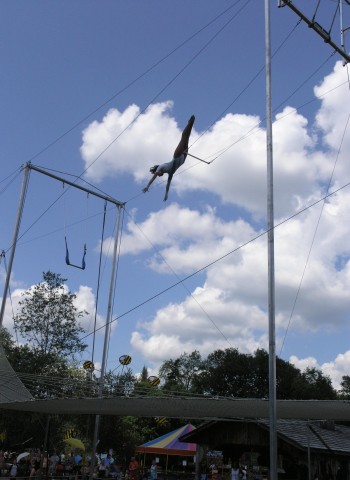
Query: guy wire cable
[282,222]
[141,112]
[135,80]
[182,283]
[314,237]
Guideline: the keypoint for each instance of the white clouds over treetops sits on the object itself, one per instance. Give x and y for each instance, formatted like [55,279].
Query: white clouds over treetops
[229,306]
[84,301]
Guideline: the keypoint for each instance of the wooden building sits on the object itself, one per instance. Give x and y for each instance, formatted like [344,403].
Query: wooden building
[306,450]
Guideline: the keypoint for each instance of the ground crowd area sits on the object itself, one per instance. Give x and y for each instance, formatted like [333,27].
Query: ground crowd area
[66,466]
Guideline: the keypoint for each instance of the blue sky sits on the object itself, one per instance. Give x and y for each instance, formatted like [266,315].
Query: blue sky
[103,90]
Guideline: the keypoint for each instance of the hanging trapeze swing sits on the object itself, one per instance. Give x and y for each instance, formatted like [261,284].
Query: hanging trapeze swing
[68,262]
[83,264]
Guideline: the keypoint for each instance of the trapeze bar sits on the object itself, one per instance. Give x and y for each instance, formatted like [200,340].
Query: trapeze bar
[197,158]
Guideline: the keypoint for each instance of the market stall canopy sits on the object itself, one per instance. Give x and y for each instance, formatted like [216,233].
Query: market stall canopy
[169,443]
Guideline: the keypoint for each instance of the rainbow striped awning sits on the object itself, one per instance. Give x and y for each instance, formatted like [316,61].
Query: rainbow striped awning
[169,443]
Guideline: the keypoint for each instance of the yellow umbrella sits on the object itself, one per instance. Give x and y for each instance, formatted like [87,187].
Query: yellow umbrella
[75,443]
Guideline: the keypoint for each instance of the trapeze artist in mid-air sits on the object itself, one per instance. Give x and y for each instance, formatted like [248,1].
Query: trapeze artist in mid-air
[179,158]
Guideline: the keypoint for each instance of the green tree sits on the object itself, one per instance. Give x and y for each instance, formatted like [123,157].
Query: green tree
[119,384]
[316,386]
[144,374]
[5,339]
[48,319]
[345,387]
[180,374]
[231,373]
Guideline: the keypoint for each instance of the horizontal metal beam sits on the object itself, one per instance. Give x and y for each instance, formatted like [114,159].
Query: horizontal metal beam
[75,185]
[317,28]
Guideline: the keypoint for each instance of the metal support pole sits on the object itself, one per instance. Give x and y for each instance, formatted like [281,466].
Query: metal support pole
[14,240]
[271,266]
[106,340]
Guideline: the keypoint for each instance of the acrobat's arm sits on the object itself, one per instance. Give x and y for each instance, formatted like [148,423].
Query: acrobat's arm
[155,175]
[167,187]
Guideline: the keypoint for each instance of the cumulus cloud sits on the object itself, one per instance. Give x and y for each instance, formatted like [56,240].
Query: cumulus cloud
[124,142]
[84,301]
[335,369]
[228,307]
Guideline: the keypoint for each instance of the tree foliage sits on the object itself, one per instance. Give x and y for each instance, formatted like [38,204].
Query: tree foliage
[179,374]
[345,387]
[48,319]
[229,373]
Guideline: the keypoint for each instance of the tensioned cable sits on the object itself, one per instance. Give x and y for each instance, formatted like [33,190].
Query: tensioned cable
[314,237]
[145,110]
[123,89]
[192,59]
[140,113]
[316,202]
[181,281]
[14,177]
[335,13]
[318,4]
[249,132]
[258,73]
[280,46]
[90,387]
[17,171]
[252,130]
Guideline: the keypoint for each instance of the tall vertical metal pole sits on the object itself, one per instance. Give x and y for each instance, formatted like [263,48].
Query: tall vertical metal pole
[271,260]
[14,240]
[106,340]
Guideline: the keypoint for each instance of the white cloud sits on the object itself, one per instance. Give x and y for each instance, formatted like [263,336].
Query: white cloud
[85,301]
[335,369]
[304,363]
[311,251]
[126,142]
[228,306]
[238,144]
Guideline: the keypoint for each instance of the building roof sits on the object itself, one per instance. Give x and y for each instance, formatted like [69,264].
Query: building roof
[316,435]
[303,434]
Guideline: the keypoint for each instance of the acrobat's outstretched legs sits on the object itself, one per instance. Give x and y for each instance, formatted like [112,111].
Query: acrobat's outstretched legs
[183,145]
